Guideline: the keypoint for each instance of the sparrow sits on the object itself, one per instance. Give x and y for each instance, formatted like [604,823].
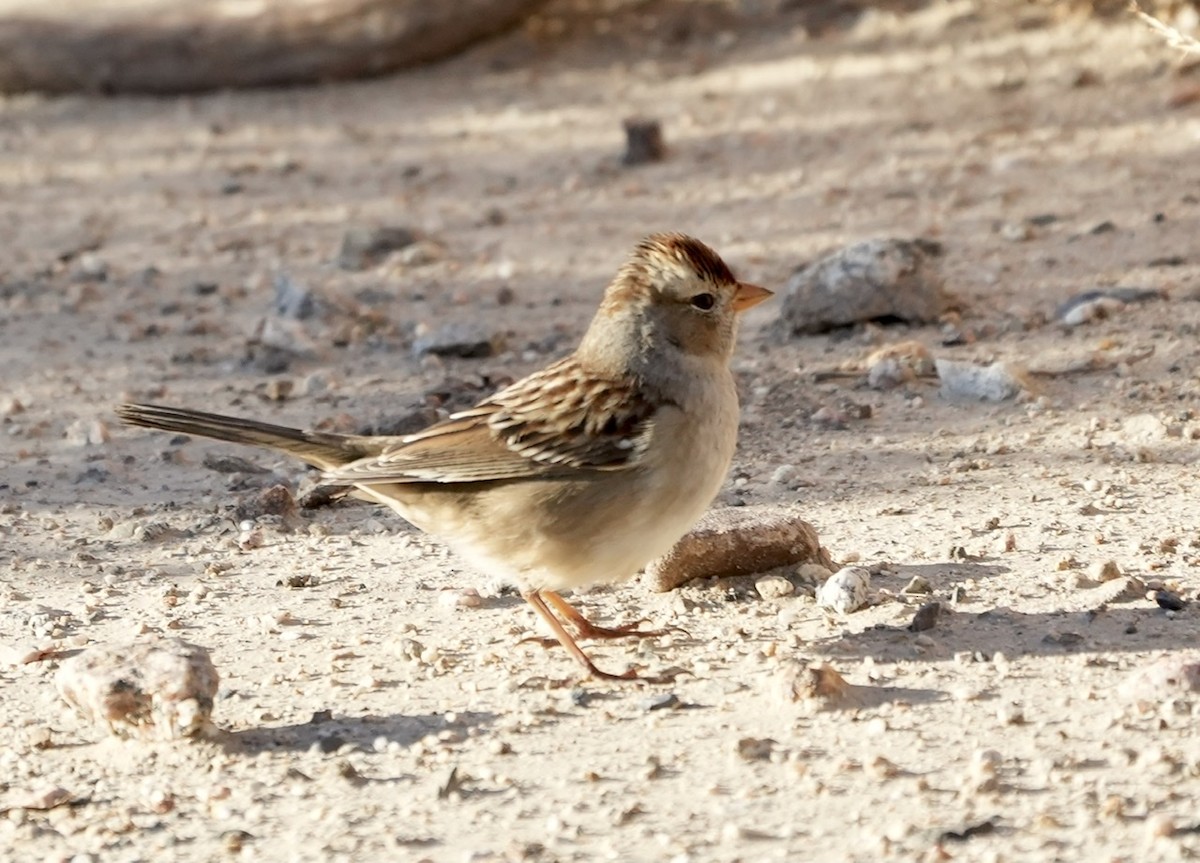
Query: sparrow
[578,474]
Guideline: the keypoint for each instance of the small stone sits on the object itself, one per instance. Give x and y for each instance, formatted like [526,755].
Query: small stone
[917,586]
[1160,826]
[874,280]
[365,247]
[926,617]
[87,433]
[10,406]
[785,475]
[230,464]
[1144,429]
[315,384]
[1097,305]
[846,591]
[421,253]
[1010,714]
[158,531]
[739,540]
[812,574]
[162,688]
[662,701]
[1016,232]
[45,798]
[279,389]
[468,341]
[293,300]
[1171,676]
[992,383]
[234,841]
[894,365]
[276,500]
[981,772]
[467,597]
[1169,600]
[880,768]
[774,587]
[643,141]
[818,686]
[90,268]
[1106,570]
[755,748]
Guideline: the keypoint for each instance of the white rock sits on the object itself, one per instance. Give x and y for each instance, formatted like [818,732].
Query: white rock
[785,474]
[1144,428]
[994,383]
[774,587]
[846,591]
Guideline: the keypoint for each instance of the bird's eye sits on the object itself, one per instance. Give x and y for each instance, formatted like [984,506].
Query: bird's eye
[704,302]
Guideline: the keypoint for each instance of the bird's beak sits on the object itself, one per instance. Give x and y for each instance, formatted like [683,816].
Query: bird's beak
[749,295]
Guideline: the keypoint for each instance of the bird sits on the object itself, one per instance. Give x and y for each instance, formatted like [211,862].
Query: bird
[580,473]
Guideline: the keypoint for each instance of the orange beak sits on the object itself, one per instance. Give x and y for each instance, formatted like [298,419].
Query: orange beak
[747,296]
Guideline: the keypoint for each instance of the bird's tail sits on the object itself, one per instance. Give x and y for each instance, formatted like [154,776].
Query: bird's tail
[322,449]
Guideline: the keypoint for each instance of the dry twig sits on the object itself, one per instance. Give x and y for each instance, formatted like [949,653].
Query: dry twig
[1171,35]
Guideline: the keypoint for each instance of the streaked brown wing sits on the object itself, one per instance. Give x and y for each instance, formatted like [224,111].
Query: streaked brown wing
[556,421]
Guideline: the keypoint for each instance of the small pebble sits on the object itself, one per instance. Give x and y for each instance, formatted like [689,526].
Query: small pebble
[755,748]
[818,685]
[785,475]
[643,141]
[1169,600]
[1159,826]
[926,617]
[1107,570]
[662,701]
[774,587]
[1010,714]
[467,597]
[292,299]
[992,383]
[468,341]
[365,247]
[917,586]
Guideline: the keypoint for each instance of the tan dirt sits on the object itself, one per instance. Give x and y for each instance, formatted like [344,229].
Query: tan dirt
[376,710]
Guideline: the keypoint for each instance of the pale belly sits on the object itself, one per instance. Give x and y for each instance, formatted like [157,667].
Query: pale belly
[564,534]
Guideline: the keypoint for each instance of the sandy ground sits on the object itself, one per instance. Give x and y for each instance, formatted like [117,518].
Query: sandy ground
[371,712]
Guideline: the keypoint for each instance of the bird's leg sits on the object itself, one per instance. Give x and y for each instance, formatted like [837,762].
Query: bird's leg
[587,629]
[535,598]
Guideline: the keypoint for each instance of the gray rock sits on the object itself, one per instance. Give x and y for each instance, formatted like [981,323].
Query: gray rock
[469,341]
[365,247]
[292,299]
[872,280]
[992,383]
[926,617]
